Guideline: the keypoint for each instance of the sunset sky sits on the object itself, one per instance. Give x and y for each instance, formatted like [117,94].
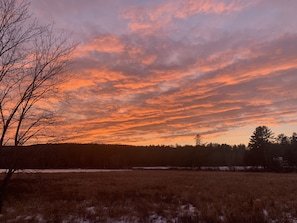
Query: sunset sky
[162,71]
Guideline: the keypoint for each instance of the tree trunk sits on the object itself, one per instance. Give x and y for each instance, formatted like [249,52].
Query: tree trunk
[3,186]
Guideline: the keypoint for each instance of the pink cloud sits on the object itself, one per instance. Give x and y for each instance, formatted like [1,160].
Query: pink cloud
[192,7]
[105,43]
[161,16]
[233,94]
[180,68]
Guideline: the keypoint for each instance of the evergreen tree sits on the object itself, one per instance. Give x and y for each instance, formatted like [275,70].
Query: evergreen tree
[258,144]
[261,137]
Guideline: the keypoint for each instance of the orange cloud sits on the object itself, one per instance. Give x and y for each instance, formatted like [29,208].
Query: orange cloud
[191,7]
[149,120]
[163,71]
[159,17]
[104,43]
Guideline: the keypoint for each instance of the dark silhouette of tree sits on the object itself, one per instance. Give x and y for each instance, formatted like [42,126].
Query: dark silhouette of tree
[259,141]
[282,139]
[198,140]
[32,60]
[294,138]
[261,137]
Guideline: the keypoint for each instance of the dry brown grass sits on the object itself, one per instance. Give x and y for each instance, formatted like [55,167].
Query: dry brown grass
[149,196]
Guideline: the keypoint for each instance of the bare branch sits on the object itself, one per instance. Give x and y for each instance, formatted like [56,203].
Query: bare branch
[32,61]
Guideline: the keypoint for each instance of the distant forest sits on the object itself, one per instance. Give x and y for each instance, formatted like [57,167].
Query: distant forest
[275,156]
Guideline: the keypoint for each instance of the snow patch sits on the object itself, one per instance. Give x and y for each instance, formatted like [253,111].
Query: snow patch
[188,209]
[91,210]
[265,213]
[157,219]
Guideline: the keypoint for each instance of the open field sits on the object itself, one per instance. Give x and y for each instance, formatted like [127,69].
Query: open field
[152,196]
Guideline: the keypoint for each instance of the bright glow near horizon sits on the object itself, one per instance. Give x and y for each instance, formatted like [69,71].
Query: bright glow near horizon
[161,71]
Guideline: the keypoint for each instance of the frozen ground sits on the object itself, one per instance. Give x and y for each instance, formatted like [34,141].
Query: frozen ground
[184,210]
[187,213]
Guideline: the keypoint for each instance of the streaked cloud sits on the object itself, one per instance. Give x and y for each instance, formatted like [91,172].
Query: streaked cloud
[149,19]
[159,72]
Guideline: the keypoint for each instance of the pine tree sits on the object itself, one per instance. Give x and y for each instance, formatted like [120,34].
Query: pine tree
[261,137]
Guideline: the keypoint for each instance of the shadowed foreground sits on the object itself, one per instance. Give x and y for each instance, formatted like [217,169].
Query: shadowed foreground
[152,196]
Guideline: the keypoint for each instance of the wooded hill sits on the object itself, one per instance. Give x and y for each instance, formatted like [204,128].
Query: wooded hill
[53,156]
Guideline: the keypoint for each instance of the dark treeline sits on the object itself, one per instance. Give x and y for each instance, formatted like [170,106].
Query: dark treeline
[51,156]
[265,150]
[120,156]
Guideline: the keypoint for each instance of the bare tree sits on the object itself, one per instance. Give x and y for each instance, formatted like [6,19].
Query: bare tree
[198,139]
[32,61]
